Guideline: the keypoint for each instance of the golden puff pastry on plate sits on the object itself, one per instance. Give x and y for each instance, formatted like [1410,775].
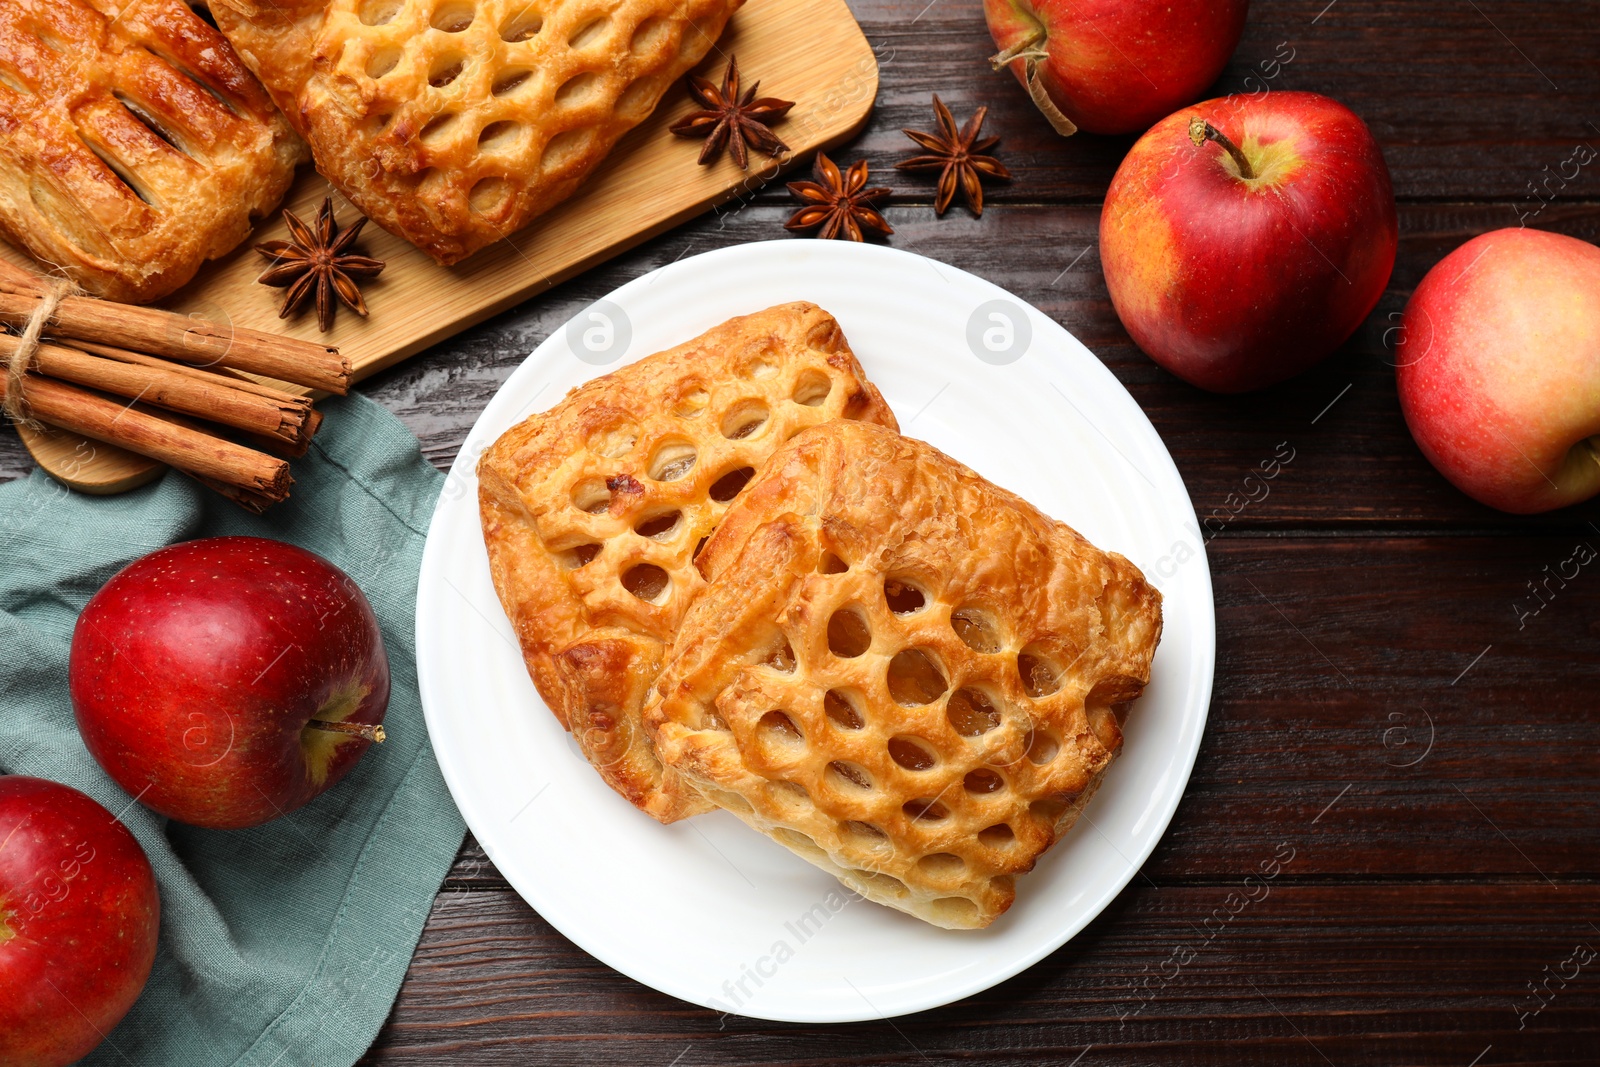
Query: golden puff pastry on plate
[454,123]
[908,676]
[136,144]
[594,510]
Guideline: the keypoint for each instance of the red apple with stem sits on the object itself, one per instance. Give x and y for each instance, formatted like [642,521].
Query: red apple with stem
[79,914]
[1113,66]
[1498,369]
[228,681]
[1245,238]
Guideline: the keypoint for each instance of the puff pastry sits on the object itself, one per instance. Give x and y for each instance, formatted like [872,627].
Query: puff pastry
[956,670]
[453,123]
[136,144]
[594,511]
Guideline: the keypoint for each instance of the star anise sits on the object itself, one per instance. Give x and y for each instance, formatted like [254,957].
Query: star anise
[740,123]
[318,261]
[840,204]
[958,158]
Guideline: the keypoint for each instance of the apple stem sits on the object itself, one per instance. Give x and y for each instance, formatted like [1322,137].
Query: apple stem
[371,732]
[1032,53]
[1201,131]
[1024,48]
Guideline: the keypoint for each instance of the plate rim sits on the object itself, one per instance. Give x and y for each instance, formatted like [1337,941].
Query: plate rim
[1202,662]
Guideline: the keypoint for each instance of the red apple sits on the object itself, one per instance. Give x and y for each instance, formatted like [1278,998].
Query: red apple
[1498,368]
[79,915]
[1246,238]
[1114,66]
[229,681]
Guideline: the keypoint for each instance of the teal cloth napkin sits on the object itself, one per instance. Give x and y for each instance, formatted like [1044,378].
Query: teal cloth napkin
[282,945]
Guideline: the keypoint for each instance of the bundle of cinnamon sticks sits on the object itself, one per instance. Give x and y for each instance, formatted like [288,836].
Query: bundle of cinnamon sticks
[170,387]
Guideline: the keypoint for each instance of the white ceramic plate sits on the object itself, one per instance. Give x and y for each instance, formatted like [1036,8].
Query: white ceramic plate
[708,910]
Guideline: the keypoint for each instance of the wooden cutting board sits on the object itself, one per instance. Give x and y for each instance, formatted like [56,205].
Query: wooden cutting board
[808,51]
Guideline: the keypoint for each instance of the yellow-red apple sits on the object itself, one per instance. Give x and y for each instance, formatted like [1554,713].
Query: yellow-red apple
[1245,238]
[1498,367]
[1114,66]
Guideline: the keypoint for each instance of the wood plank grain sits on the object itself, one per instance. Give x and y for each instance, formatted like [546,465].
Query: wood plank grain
[1303,974]
[1407,698]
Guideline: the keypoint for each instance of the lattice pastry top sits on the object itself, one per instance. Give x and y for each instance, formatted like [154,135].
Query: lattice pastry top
[594,511]
[453,123]
[133,143]
[958,667]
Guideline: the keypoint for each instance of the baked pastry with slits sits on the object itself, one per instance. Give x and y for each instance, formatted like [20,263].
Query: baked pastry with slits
[134,145]
[453,123]
[594,511]
[953,671]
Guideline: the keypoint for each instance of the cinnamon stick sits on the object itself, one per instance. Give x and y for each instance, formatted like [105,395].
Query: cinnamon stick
[275,445]
[243,381]
[231,402]
[291,404]
[251,501]
[260,476]
[165,333]
[264,441]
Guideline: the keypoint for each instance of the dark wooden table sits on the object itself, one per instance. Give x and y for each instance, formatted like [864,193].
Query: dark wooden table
[1432,765]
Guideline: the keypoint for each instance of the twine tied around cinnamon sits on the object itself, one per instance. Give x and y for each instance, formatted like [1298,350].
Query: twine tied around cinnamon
[52,292]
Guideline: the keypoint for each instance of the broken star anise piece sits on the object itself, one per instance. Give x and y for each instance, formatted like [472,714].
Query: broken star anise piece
[840,205]
[739,123]
[318,261]
[957,156]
